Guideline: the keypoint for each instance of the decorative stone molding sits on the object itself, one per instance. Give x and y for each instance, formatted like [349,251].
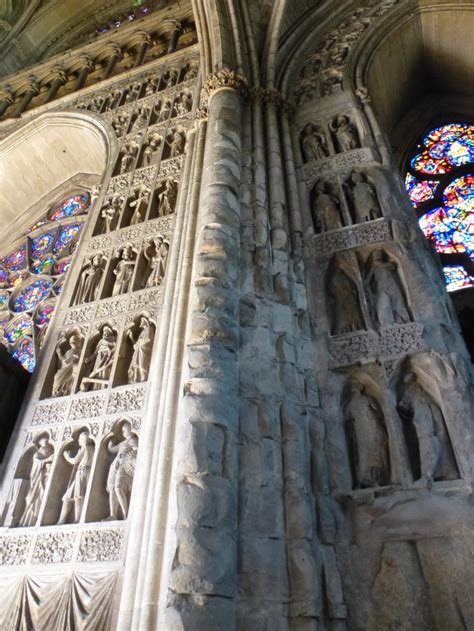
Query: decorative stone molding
[145,176]
[119,183]
[54,547]
[393,341]
[101,545]
[127,400]
[69,430]
[145,298]
[343,162]
[349,237]
[102,242]
[87,406]
[135,421]
[112,307]
[401,339]
[352,348]
[79,314]
[224,78]
[171,167]
[14,550]
[46,413]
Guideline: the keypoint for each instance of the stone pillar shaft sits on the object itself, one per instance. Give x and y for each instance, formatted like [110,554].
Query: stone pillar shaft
[59,81]
[113,60]
[83,74]
[141,53]
[27,97]
[178,29]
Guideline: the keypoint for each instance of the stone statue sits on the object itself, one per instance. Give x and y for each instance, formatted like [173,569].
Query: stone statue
[134,92]
[343,299]
[151,85]
[172,78]
[113,100]
[152,149]
[128,158]
[124,271]
[141,122]
[345,133]
[183,104]
[65,375]
[140,204]
[176,143]
[79,478]
[120,124]
[89,280]
[103,357]
[364,198]
[109,213]
[39,473]
[386,290]
[121,472]
[313,143]
[142,347]
[167,198]
[421,416]
[368,438]
[157,261]
[330,80]
[191,72]
[325,208]
[162,111]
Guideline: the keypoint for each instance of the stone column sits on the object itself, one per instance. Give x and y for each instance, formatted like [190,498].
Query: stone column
[59,79]
[203,578]
[31,91]
[86,69]
[144,46]
[116,55]
[6,99]
[175,33]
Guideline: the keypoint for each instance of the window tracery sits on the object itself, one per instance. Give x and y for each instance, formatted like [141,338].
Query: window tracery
[440,184]
[32,275]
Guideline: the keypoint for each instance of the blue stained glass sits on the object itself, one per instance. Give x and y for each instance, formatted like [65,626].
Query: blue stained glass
[40,245]
[3,299]
[66,236]
[24,352]
[17,328]
[42,266]
[457,277]
[61,266]
[3,276]
[31,295]
[16,260]
[58,287]
[449,223]
[75,205]
[45,313]
[4,317]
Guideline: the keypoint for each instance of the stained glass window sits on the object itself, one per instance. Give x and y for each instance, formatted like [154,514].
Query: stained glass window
[440,184]
[32,274]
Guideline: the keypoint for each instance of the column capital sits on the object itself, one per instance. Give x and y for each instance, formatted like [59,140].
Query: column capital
[224,78]
[32,85]
[7,93]
[86,63]
[59,73]
[175,24]
[113,49]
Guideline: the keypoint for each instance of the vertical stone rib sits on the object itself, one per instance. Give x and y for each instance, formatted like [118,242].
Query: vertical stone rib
[202,583]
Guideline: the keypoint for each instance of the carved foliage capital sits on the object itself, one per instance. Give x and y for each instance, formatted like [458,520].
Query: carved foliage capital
[224,78]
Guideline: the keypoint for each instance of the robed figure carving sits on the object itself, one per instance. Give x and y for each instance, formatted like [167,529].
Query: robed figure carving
[344,309]
[39,473]
[388,296]
[428,444]
[103,357]
[121,472]
[345,133]
[89,280]
[68,363]
[77,486]
[363,199]
[325,208]
[142,347]
[157,256]
[313,143]
[124,271]
[367,437]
